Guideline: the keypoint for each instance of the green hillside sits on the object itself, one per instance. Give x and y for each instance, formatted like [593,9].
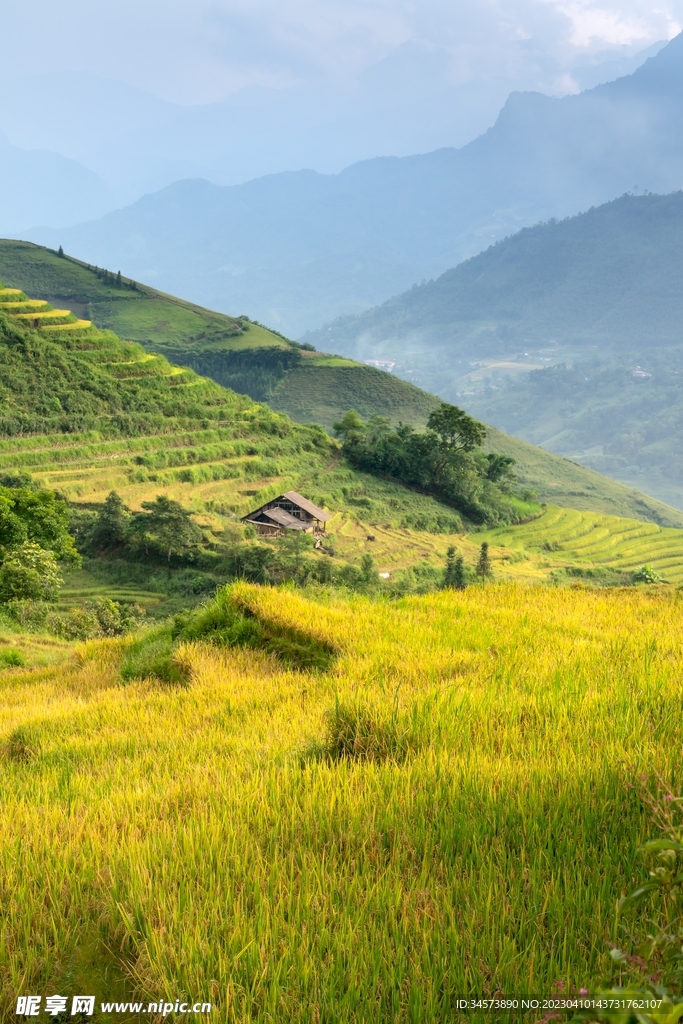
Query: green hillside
[85,413]
[566,334]
[240,354]
[309,386]
[607,278]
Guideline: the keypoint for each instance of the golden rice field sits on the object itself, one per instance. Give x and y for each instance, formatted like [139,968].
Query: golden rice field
[443,811]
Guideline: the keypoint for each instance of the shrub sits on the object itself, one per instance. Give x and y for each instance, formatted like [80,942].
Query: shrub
[29,572]
[30,615]
[76,624]
[11,656]
[646,574]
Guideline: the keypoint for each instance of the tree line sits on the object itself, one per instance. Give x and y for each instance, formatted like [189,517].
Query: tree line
[445,460]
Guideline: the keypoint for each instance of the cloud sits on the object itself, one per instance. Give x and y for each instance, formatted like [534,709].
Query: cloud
[200,50]
[618,24]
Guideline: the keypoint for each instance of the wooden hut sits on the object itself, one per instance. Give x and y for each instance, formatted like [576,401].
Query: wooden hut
[290,511]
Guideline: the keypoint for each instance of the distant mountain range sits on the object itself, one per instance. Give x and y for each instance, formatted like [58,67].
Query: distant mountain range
[408,102]
[40,187]
[299,248]
[596,299]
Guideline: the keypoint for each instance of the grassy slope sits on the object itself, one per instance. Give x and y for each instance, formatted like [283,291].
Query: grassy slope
[147,428]
[317,389]
[191,335]
[90,413]
[188,846]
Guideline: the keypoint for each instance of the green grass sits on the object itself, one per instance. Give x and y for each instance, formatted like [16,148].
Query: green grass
[573,538]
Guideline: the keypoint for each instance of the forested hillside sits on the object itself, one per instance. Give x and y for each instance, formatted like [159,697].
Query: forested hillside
[596,299]
[605,281]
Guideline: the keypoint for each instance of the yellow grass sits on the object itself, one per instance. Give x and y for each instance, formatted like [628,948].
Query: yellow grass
[47,312]
[182,839]
[22,304]
[77,325]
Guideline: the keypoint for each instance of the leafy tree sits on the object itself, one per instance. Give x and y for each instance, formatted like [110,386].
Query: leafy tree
[29,572]
[367,569]
[457,432]
[37,516]
[455,577]
[441,460]
[483,567]
[111,526]
[646,574]
[349,427]
[499,468]
[167,524]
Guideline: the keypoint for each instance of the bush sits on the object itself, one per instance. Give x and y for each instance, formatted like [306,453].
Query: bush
[11,656]
[76,624]
[29,572]
[103,618]
[30,615]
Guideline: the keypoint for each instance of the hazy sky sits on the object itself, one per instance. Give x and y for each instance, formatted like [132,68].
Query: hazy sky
[196,51]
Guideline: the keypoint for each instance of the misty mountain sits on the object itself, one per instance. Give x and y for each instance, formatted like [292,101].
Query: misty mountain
[607,280]
[409,102]
[39,187]
[297,249]
[595,299]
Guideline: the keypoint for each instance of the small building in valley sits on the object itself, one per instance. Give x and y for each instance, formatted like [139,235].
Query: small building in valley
[290,511]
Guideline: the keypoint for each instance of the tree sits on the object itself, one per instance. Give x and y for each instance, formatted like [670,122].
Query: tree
[499,468]
[37,516]
[483,568]
[457,432]
[168,524]
[111,526]
[350,426]
[60,252]
[454,577]
[29,572]
[118,279]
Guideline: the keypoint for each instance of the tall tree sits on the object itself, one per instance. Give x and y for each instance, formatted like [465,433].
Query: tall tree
[168,525]
[111,525]
[457,432]
[454,577]
[483,568]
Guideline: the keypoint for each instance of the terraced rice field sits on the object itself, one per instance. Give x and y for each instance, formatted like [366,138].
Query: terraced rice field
[571,537]
[41,314]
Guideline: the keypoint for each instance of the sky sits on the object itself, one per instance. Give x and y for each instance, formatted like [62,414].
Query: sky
[201,51]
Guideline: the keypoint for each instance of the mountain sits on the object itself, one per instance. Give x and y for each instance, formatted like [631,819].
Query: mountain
[299,248]
[40,187]
[310,386]
[596,299]
[408,102]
